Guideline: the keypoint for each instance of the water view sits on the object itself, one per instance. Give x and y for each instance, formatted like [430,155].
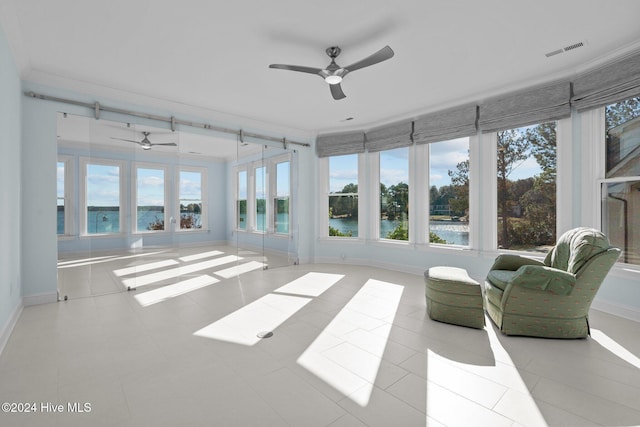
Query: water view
[453,232]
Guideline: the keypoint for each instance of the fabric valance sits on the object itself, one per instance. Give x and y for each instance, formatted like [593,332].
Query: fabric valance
[444,125]
[605,85]
[531,106]
[340,144]
[387,137]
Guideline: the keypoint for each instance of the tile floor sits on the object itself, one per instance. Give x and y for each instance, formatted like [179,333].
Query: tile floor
[351,346]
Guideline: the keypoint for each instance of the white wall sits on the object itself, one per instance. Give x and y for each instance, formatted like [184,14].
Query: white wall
[10,194]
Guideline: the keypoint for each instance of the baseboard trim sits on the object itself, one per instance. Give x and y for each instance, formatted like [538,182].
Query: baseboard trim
[39,299]
[619,310]
[7,329]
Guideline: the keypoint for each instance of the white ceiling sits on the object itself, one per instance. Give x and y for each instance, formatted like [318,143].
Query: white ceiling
[213,56]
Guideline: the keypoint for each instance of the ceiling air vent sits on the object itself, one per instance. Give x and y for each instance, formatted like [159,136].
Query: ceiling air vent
[564,49]
[574,46]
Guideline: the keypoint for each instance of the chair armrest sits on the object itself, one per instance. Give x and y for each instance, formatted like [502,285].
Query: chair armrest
[513,262]
[543,278]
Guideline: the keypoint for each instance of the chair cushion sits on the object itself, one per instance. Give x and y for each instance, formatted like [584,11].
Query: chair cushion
[501,278]
[575,247]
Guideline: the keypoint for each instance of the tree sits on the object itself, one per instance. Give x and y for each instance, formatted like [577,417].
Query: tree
[513,148]
[621,112]
[398,200]
[460,184]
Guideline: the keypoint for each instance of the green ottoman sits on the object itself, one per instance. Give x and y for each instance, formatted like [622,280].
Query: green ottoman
[453,297]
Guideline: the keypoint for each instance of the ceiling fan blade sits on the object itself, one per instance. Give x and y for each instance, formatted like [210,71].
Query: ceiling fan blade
[381,55]
[337,92]
[173,144]
[128,140]
[299,68]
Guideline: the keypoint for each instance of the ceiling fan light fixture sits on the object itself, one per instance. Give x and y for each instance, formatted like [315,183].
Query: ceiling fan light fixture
[333,79]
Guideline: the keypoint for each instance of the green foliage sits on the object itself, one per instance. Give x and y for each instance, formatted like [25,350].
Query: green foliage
[401,232]
[460,185]
[337,233]
[434,238]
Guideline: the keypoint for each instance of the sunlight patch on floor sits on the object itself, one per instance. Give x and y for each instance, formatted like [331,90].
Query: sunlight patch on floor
[201,255]
[615,348]
[171,291]
[102,259]
[149,279]
[346,365]
[237,270]
[467,394]
[264,314]
[144,267]
[311,284]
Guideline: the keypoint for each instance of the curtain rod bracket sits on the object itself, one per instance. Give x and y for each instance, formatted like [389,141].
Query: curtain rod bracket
[173,124]
[96,109]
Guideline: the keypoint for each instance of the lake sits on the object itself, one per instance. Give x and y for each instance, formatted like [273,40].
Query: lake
[454,232]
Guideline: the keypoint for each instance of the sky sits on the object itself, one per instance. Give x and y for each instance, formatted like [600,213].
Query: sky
[103,185]
[444,156]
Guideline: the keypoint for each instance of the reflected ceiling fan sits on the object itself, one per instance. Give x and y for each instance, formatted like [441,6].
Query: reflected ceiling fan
[145,143]
[334,73]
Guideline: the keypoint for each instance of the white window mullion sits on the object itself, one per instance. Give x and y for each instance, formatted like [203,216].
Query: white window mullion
[488,231]
[592,162]
[419,195]
[475,182]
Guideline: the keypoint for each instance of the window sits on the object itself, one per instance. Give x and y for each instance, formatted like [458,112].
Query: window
[281,199]
[260,198]
[102,197]
[241,202]
[190,199]
[61,168]
[394,194]
[449,192]
[150,199]
[343,196]
[621,186]
[526,169]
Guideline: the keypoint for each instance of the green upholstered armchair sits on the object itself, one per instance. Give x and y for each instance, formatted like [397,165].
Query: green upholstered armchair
[550,299]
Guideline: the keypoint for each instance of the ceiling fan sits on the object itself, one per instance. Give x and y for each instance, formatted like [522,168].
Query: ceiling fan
[145,143]
[334,74]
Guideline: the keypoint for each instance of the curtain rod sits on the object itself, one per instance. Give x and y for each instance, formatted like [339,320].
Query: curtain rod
[96,107]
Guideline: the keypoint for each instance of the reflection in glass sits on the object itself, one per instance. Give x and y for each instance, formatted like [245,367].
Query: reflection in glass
[150,200]
[261,198]
[241,207]
[60,196]
[190,200]
[103,199]
[621,192]
[621,218]
[281,200]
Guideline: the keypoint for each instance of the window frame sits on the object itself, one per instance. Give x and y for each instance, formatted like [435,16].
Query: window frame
[68,191]
[272,192]
[122,188]
[237,170]
[134,196]
[326,194]
[411,197]
[204,214]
